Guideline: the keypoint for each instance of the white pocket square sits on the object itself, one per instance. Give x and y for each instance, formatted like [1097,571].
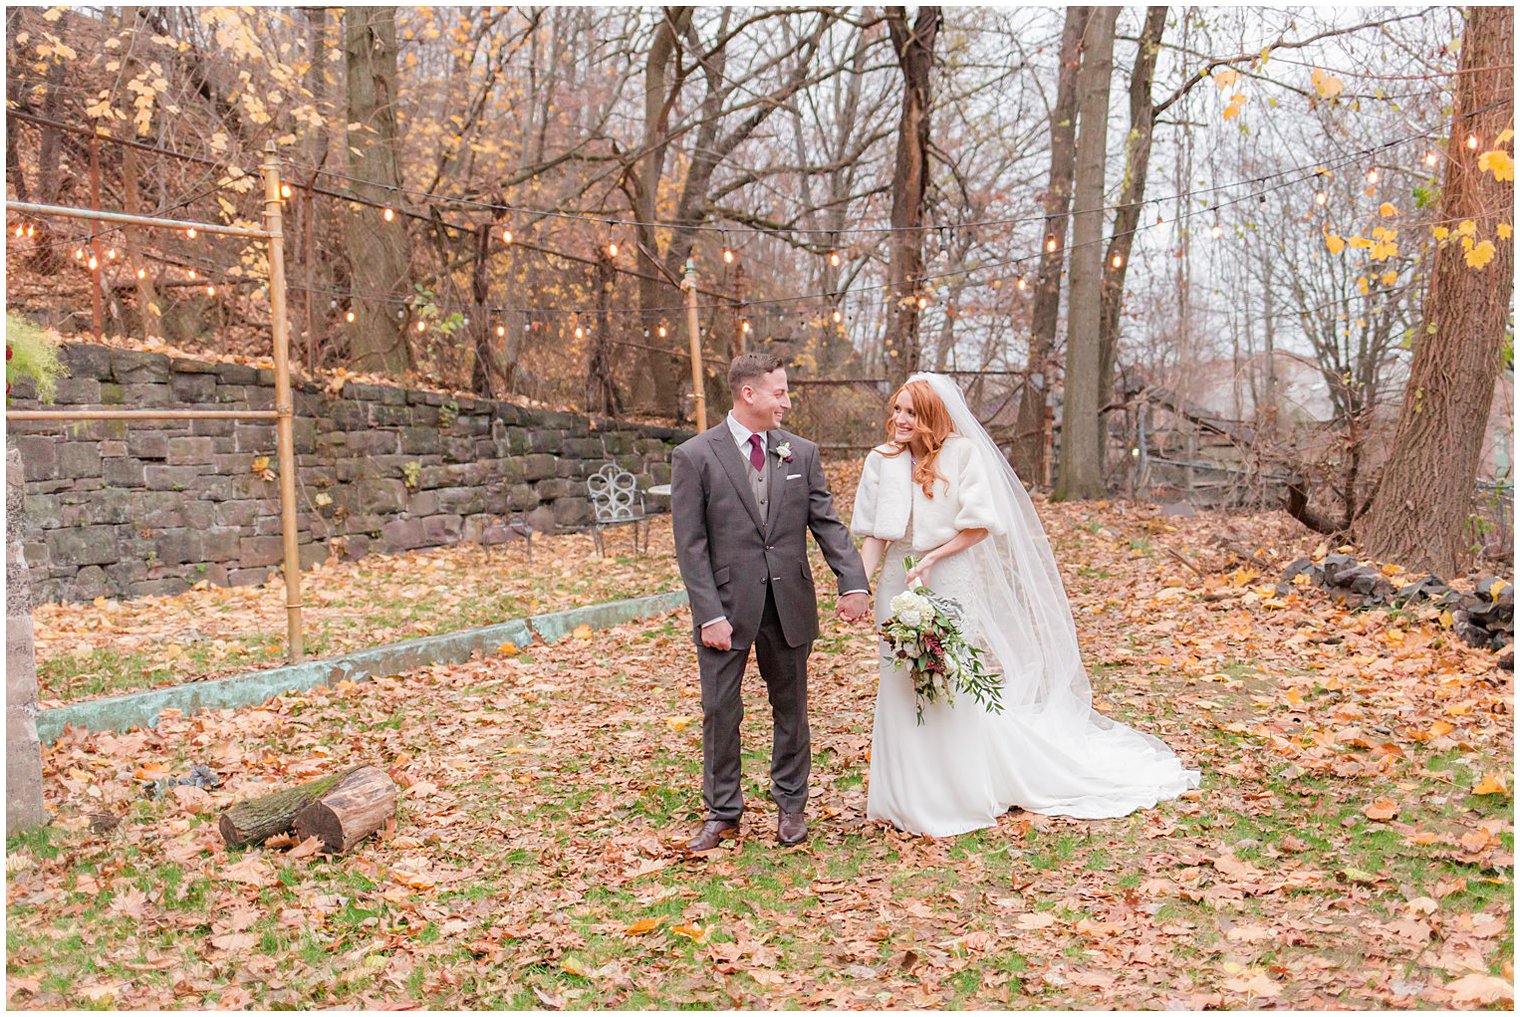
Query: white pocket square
[794,476]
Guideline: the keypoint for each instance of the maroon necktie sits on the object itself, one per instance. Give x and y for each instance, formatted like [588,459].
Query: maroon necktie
[756,453]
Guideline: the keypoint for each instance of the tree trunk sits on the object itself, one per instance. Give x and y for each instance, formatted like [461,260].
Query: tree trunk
[1029,432]
[1419,514]
[1137,159]
[379,263]
[1081,465]
[258,819]
[23,749]
[910,182]
[351,810]
[481,324]
[601,390]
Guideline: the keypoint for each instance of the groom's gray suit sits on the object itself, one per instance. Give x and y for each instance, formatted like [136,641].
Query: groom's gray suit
[741,539]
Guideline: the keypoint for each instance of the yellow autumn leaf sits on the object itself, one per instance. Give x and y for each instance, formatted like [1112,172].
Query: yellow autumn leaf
[1504,230]
[508,649]
[581,631]
[1389,278]
[1505,136]
[1381,810]
[1383,233]
[1441,232]
[1387,210]
[1467,228]
[1498,163]
[1361,284]
[1224,77]
[1327,85]
[1361,243]
[1491,784]
[1335,243]
[643,925]
[1233,109]
[1480,255]
[1383,250]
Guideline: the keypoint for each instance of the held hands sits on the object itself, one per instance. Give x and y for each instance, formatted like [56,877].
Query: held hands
[852,607]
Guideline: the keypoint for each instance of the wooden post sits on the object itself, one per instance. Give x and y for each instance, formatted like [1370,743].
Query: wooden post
[308,256]
[96,310]
[284,408]
[698,386]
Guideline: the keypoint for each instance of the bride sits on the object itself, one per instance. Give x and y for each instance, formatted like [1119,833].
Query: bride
[941,491]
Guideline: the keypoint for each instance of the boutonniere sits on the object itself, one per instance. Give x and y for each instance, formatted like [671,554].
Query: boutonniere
[783,451]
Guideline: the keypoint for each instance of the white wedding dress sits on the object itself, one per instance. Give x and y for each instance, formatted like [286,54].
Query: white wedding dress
[1048,751]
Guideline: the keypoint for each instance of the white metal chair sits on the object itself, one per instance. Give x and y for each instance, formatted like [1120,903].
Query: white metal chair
[616,499]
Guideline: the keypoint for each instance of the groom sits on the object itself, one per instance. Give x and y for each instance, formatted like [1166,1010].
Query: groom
[743,496]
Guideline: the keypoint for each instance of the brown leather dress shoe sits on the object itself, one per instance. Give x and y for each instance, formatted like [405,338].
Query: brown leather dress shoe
[713,833]
[791,828]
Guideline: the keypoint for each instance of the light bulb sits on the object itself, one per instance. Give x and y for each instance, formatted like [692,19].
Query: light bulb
[421,326]
[30,230]
[94,263]
[838,317]
[20,230]
[923,302]
[192,273]
[1021,283]
[111,254]
[285,191]
[1320,197]
[580,333]
[1217,231]
[1050,243]
[834,258]
[506,236]
[1430,157]
[142,273]
[79,254]
[190,232]
[663,331]
[728,255]
[1472,141]
[389,213]
[211,291]
[1372,175]
[612,249]
[349,317]
[1118,261]
[501,330]
[744,327]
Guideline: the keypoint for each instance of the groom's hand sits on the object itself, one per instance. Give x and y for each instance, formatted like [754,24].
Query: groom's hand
[719,635]
[854,606]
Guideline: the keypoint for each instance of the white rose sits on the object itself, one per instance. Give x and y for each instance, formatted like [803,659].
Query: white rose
[911,617]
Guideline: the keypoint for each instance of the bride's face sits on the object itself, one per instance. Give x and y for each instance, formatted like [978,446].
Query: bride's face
[904,420]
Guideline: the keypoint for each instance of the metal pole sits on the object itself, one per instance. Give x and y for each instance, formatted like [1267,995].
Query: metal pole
[96,316]
[284,423]
[698,388]
[69,212]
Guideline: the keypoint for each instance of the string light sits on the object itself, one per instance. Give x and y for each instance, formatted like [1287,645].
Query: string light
[190,232]
[94,263]
[744,327]
[1472,141]
[838,316]
[834,258]
[580,333]
[79,254]
[285,191]
[728,255]
[1372,175]
[612,249]
[1430,157]
[1320,198]
[111,254]
[1217,231]
[663,331]
[349,317]
[31,231]
[192,274]
[421,326]
[20,231]
[142,273]
[389,213]
[923,302]
[1050,243]
[506,237]
[1118,261]
[1022,283]
[211,291]
[501,331]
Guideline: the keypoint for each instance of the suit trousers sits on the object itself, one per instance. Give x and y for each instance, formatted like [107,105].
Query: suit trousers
[784,669]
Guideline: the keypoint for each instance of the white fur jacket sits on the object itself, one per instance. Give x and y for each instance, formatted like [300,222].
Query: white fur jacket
[887,496]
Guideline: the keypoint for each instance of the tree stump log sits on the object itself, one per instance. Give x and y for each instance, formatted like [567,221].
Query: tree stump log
[258,819]
[351,810]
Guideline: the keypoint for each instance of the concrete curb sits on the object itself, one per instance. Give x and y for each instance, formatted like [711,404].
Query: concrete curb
[142,709]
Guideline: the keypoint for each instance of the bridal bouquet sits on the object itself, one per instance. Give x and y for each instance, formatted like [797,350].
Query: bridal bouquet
[925,634]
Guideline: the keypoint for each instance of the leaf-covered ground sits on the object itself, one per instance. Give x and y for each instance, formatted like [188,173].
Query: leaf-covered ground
[1351,845]
[108,647]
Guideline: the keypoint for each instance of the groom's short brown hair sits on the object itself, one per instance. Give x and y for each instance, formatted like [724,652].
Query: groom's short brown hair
[747,367]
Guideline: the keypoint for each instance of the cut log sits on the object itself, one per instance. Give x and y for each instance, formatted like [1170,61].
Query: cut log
[258,819]
[351,810]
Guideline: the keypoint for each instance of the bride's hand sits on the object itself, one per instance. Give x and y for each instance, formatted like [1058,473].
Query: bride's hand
[919,572]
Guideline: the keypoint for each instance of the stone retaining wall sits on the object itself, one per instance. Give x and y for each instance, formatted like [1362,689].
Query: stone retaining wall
[128,510]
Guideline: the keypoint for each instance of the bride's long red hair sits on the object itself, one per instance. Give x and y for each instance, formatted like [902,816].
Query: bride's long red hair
[931,428]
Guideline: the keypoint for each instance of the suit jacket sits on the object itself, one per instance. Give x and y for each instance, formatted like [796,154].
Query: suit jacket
[730,556]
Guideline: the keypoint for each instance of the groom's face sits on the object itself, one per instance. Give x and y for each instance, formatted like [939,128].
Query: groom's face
[766,399]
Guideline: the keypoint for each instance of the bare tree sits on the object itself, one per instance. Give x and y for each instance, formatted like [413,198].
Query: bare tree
[1081,474]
